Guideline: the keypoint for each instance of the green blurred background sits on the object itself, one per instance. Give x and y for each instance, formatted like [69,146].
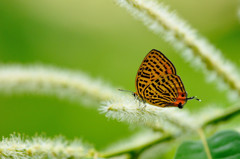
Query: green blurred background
[103,40]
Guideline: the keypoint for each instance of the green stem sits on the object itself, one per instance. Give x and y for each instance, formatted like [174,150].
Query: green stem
[205,144]
[136,150]
[226,115]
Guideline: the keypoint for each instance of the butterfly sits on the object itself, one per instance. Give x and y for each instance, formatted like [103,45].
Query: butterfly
[157,82]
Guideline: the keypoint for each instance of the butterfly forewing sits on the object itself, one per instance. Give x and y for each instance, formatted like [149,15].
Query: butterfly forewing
[154,65]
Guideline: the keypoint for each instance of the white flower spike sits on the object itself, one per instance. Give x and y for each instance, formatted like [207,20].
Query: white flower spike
[76,86]
[38,147]
[193,47]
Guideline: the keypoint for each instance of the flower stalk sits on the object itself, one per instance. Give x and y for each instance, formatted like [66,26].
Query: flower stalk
[138,148]
[192,46]
[38,147]
[169,120]
[224,116]
[76,86]
[72,85]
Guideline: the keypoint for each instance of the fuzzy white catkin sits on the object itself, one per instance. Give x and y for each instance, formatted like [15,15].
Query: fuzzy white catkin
[76,86]
[194,48]
[16,147]
[173,120]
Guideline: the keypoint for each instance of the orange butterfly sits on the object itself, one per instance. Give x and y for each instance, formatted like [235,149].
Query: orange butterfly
[158,84]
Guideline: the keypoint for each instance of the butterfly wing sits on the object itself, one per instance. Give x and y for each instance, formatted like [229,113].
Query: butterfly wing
[166,91]
[154,65]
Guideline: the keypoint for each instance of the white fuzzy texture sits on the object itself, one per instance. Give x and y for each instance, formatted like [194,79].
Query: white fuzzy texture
[38,147]
[78,86]
[171,120]
[62,83]
[192,46]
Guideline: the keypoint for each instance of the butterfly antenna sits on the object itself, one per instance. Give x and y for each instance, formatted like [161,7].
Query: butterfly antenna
[194,97]
[125,90]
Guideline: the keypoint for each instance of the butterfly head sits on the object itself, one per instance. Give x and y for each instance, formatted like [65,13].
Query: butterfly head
[182,100]
[180,103]
[180,106]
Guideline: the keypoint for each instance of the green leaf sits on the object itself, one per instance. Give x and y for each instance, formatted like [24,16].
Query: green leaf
[222,145]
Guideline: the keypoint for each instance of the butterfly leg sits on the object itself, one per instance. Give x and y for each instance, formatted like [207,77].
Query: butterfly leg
[139,103]
[136,98]
[144,105]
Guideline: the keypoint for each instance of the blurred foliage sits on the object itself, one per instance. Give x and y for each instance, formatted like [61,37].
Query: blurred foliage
[223,145]
[102,39]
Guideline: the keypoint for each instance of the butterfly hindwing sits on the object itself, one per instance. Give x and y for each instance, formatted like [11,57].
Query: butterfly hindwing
[165,91]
